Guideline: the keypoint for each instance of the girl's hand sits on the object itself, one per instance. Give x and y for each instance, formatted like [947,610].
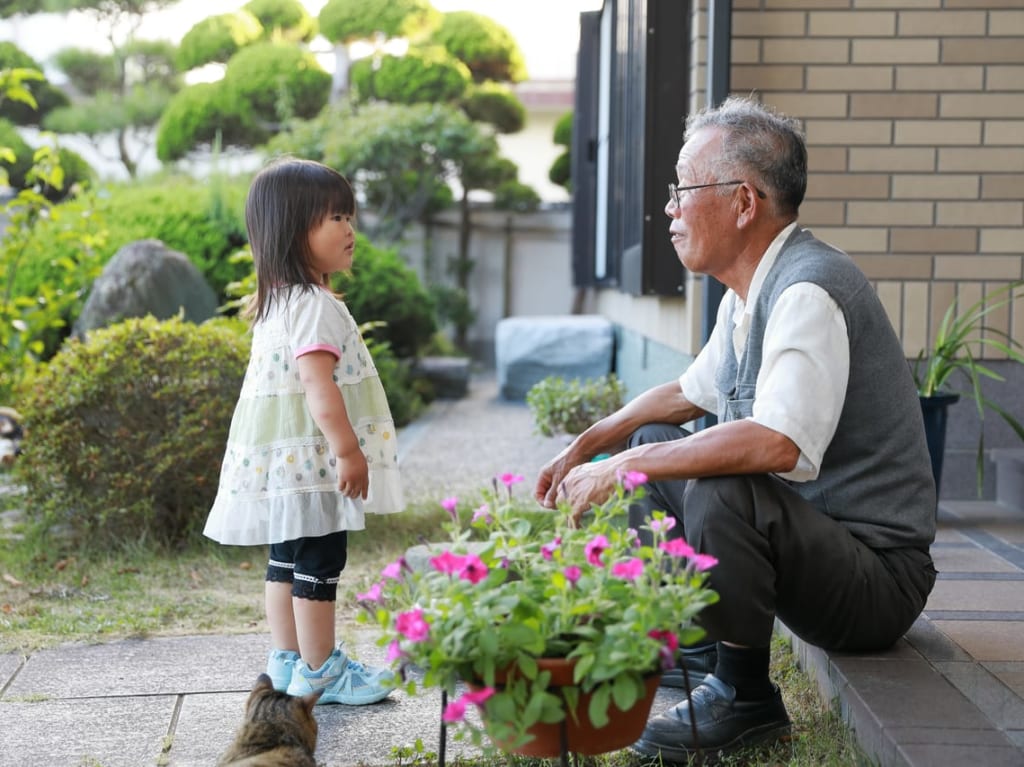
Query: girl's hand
[353,474]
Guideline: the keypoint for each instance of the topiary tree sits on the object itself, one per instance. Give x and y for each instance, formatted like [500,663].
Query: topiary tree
[495,104]
[201,114]
[277,81]
[428,75]
[344,22]
[560,171]
[217,39]
[45,95]
[485,46]
[128,429]
[283,19]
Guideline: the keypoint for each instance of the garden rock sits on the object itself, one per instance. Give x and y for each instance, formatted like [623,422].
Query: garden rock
[529,349]
[147,278]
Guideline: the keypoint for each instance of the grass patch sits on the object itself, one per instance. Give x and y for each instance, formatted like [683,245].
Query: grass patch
[52,592]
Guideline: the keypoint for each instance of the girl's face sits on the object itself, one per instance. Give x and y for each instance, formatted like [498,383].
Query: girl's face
[332,243]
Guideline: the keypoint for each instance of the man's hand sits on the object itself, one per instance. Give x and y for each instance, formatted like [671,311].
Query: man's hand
[586,485]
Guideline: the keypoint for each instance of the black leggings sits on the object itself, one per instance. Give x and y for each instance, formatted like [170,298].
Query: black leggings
[311,565]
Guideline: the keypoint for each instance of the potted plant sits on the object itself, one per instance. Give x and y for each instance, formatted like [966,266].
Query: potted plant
[519,587]
[954,350]
[561,406]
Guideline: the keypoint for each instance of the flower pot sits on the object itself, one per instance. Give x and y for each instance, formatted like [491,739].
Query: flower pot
[933,409]
[623,728]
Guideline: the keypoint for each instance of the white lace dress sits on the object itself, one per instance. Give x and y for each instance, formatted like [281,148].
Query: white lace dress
[278,481]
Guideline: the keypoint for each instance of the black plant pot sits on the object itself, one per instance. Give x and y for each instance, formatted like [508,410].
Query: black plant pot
[933,409]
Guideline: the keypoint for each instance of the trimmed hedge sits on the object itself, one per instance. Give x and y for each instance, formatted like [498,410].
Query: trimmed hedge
[218,38]
[421,76]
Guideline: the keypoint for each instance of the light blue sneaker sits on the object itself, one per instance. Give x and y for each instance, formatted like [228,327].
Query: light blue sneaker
[279,667]
[343,680]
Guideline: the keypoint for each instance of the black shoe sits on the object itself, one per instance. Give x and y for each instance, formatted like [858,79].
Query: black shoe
[698,662]
[723,724]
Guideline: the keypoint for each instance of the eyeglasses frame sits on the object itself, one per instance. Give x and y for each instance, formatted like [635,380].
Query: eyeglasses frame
[675,192]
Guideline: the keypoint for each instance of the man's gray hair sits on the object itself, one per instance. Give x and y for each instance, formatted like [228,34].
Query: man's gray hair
[759,145]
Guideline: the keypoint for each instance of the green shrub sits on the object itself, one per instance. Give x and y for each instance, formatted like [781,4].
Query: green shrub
[48,97]
[517,196]
[287,19]
[350,20]
[487,48]
[401,388]
[421,76]
[16,171]
[569,407]
[277,81]
[218,38]
[127,429]
[496,104]
[199,115]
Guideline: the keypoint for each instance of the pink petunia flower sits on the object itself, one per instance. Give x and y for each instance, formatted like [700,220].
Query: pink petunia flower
[412,626]
[483,511]
[595,548]
[677,547]
[548,549]
[703,562]
[375,594]
[663,525]
[629,570]
[631,480]
[450,504]
[669,646]
[473,569]
[394,652]
[572,573]
[479,696]
[454,711]
[448,562]
[394,569]
[510,479]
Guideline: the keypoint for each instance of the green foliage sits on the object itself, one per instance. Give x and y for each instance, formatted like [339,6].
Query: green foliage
[153,63]
[349,20]
[563,130]
[46,96]
[277,81]
[32,319]
[487,48]
[381,286]
[428,75]
[88,71]
[516,196]
[404,399]
[128,429]
[283,19]
[18,163]
[202,114]
[569,407]
[495,103]
[560,171]
[218,38]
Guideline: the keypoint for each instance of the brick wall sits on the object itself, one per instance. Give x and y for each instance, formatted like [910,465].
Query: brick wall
[914,114]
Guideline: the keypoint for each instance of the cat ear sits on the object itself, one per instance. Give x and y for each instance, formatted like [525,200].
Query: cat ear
[310,700]
[263,682]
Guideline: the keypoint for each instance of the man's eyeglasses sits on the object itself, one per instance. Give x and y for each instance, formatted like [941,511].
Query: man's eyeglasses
[676,192]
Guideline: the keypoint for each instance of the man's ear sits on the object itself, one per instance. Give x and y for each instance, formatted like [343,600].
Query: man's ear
[748,206]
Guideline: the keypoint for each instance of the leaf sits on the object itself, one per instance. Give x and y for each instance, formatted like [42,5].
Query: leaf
[598,708]
[8,578]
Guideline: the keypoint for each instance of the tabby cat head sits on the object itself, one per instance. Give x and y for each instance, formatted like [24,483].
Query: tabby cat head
[290,718]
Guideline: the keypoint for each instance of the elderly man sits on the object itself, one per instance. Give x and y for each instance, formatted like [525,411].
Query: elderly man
[814,490]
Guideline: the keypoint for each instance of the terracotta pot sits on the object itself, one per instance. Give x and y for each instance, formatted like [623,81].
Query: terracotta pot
[623,728]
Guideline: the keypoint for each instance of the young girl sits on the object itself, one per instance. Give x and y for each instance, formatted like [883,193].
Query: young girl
[312,444]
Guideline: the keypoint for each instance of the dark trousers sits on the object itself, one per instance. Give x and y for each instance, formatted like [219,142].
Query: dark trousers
[779,556]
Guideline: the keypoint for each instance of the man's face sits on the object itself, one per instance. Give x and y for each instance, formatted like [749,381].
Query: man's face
[700,226]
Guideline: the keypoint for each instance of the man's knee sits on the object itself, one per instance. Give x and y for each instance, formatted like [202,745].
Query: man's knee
[714,501]
[656,432]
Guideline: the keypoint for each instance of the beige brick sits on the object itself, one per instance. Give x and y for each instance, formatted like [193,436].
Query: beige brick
[982,104]
[940,77]
[767,23]
[892,267]
[941,23]
[967,267]
[809,4]
[805,105]
[894,159]
[842,78]
[766,77]
[980,213]
[1002,186]
[847,186]
[981,50]
[943,295]
[1006,23]
[825,158]
[930,239]
[996,240]
[822,213]
[935,186]
[894,105]
[855,239]
[1004,77]
[1017,320]
[915,315]
[895,51]
[891,296]
[851,23]
[898,4]
[848,131]
[1009,132]
[937,132]
[956,159]
[889,213]
[983,4]
[747,5]
[745,51]
[803,51]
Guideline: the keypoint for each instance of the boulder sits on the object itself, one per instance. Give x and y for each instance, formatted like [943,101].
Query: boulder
[529,349]
[448,376]
[147,278]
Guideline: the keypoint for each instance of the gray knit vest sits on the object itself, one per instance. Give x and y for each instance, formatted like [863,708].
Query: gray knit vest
[875,476]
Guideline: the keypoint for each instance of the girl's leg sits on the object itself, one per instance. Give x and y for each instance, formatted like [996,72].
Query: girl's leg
[314,627]
[280,616]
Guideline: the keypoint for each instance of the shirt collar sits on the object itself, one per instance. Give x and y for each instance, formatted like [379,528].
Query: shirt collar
[763,267]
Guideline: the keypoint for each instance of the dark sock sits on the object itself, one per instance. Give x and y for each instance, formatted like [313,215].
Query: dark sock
[745,669]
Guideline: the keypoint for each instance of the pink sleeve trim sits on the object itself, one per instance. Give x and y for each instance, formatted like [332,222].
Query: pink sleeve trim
[318,348]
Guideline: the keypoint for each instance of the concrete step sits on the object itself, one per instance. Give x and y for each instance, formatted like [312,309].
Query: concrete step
[1009,463]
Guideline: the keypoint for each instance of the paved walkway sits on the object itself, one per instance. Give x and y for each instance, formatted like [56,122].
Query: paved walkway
[951,693]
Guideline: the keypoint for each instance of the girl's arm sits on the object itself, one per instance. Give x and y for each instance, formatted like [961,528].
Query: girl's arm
[326,405]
